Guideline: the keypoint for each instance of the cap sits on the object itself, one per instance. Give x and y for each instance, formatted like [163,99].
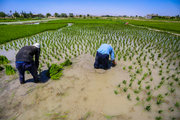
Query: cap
[36,45]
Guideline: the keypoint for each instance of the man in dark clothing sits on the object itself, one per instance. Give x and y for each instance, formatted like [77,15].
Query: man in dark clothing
[24,61]
[102,57]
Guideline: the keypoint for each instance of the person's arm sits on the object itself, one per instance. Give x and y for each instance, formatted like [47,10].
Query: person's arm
[112,57]
[37,54]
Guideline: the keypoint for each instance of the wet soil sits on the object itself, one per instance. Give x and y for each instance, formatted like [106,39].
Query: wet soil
[82,93]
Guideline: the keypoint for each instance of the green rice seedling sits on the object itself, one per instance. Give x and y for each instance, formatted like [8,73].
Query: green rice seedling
[3,60]
[160,72]
[171,89]
[159,99]
[138,70]
[149,98]
[171,84]
[171,109]
[130,84]
[148,107]
[129,97]
[55,71]
[48,64]
[139,82]
[177,104]
[158,118]
[1,68]
[124,68]
[173,75]
[166,94]
[160,111]
[66,63]
[119,58]
[137,98]
[176,79]
[130,67]
[163,78]
[119,85]
[173,118]
[115,92]
[9,70]
[149,93]
[124,57]
[124,82]
[136,91]
[145,75]
[125,89]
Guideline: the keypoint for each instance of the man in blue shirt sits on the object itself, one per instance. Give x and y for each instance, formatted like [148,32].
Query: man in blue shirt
[102,57]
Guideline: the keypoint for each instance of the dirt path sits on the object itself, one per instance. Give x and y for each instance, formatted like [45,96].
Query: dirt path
[83,93]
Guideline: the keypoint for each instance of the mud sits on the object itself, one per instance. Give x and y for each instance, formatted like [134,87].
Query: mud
[83,93]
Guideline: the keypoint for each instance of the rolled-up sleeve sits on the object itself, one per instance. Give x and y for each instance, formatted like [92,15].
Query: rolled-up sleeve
[112,53]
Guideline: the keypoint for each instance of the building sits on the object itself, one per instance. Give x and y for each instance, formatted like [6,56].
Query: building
[150,16]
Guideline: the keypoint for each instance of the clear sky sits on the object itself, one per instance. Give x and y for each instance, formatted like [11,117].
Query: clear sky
[94,7]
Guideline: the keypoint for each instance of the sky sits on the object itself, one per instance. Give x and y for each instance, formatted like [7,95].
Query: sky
[94,7]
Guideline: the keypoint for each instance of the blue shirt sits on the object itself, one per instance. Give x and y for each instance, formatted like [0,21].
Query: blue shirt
[106,49]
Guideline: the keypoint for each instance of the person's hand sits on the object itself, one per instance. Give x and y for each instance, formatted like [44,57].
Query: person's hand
[114,63]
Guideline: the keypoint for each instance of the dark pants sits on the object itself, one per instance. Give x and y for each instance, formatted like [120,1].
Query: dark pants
[102,61]
[23,66]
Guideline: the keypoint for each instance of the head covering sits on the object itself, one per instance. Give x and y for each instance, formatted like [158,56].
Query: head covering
[36,45]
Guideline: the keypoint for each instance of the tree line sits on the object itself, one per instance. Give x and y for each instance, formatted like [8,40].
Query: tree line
[30,15]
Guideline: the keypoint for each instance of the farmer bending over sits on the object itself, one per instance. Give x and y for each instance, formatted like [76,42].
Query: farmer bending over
[24,61]
[102,57]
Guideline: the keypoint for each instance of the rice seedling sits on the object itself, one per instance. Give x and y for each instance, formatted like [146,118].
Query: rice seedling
[115,92]
[124,82]
[158,118]
[148,108]
[137,98]
[159,99]
[177,104]
[125,89]
[9,70]
[160,111]
[3,60]
[129,97]
[171,109]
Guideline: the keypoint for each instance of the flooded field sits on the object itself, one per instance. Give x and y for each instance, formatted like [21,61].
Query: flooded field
[144,85]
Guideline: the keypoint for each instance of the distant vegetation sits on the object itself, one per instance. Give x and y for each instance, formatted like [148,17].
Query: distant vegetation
[162,25]
[15,16]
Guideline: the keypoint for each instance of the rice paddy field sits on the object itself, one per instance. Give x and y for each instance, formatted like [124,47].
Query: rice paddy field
[144,85]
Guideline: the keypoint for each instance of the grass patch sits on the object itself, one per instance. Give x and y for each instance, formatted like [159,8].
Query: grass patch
[12,32]
[161,25]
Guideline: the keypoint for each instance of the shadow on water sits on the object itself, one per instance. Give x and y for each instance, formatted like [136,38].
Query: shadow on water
[43,78]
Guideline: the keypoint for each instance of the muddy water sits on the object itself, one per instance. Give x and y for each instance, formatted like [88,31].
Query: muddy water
[82,92]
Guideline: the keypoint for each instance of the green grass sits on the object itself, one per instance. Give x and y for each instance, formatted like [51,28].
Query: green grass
[88,21]
[18,19]
[12,32]
[161,25]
